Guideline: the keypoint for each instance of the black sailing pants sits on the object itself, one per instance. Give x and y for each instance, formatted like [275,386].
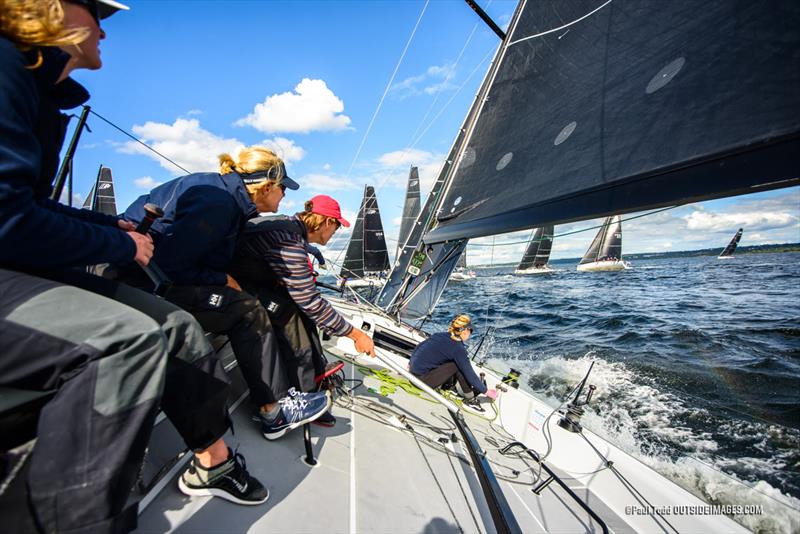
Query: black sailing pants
[240,316]
[113,353]
[446,374]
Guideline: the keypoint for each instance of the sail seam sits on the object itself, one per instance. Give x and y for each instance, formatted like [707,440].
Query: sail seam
[567,25]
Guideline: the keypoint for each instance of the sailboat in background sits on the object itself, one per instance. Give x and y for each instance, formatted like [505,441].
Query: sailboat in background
[366,259]
[605,252]
[462,272]
[731,248]
[536,256]
[101,197]
[411,210]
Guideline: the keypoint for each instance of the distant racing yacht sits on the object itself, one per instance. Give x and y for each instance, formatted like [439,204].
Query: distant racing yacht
[731,248]
[605,252]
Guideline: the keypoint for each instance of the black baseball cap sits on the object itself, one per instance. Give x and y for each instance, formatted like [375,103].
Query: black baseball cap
[276,172]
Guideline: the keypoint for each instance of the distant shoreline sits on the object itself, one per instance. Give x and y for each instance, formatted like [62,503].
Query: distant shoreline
[742,250]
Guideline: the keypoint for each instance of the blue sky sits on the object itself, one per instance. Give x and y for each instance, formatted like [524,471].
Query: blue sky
[199,78]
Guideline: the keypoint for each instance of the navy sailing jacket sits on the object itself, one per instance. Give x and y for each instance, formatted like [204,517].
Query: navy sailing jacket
[36,232]
[440,349]
[204,213]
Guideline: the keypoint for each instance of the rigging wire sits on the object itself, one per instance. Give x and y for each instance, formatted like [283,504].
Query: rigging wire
[578,231]
[386,90]
[125,132]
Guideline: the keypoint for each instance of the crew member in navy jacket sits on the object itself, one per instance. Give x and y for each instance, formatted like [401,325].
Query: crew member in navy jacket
[442,360]
[204,214]
[108,354]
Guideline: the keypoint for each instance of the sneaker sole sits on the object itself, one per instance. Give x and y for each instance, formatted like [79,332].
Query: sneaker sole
[276,435]
[214,492]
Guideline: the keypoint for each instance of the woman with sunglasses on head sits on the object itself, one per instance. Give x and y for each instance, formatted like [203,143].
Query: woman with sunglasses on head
[204,215]
[442,360]
[272,262]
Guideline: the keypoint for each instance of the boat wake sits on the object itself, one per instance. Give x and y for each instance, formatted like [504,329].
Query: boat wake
[668,434]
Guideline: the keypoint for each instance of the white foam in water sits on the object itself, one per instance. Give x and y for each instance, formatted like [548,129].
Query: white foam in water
[641,420]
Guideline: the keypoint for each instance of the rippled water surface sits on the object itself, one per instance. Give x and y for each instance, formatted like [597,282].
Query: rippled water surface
[697,363]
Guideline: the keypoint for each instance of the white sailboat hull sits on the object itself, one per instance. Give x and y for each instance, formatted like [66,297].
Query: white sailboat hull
[523,415]
[367,281]
[599,266]
[546,269]
[462,276]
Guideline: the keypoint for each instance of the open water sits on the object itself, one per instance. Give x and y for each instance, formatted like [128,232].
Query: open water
[697,364]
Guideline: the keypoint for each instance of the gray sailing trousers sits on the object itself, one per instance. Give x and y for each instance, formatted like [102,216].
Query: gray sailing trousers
[113,354]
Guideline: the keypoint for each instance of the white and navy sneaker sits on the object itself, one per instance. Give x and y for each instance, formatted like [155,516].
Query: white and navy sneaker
[473,406]
[229,480]
[297,409]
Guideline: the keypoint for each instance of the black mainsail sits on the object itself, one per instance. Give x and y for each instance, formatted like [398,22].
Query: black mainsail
[600,108]
[607,244]
[731,248]
[366,251]
[538,252]
[101,198]
[411,210]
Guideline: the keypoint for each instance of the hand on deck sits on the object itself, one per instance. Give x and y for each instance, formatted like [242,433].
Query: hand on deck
[363,341]
[144,247]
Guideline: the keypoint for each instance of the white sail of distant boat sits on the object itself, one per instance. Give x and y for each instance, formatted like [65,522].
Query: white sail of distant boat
[605,252]
[537,254]
[731,248]
[366,260]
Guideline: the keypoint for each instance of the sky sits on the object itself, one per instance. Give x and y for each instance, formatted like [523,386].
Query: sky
[348,94]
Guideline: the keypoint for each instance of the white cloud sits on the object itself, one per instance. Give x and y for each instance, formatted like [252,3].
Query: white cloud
[146,182]
[324,182]
[311,107]
[286,149]
[183,141]
[194,112]
[391,168]
[435,78]
[754,220]
[288,205]
[326,167]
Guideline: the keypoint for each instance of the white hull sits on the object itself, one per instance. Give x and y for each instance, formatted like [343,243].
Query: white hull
[725,257]
[462,276]
[599,266]
[535,270]
[523,416]
[365,282]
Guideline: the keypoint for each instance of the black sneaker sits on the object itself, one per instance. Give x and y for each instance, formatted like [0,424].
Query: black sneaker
[229,480]
[473,405]
[327,420]
[297,409]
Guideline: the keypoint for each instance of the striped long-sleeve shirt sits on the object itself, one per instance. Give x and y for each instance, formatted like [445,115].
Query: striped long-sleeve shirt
[285,254]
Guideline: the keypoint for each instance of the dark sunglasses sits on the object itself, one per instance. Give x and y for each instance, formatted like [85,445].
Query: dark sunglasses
[283,187]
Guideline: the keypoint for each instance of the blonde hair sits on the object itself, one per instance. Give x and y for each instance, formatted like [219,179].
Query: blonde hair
[313,221]
[253,159]
[33,23]
[458,325]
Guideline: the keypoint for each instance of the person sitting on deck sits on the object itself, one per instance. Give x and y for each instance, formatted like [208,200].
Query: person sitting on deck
[272,262]
[204,213]
[442,360]
[109,354]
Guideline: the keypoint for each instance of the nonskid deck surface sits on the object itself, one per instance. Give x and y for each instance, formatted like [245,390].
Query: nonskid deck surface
[376,477]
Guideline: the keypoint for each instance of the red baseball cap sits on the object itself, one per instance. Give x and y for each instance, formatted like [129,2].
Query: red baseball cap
[325,205]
